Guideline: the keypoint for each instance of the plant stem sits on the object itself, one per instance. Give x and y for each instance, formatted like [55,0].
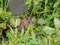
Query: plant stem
[46,1]
[2,4]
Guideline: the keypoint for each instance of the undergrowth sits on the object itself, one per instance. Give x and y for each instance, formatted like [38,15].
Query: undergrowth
[46,29]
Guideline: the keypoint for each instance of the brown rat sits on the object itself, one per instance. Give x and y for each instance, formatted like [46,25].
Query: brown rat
[25,23]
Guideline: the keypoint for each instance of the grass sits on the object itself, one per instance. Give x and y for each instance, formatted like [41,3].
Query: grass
[46,29]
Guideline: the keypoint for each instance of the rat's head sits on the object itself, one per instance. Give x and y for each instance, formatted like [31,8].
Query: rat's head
[27,22]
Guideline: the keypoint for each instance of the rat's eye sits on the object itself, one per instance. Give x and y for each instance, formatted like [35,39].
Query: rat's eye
[28,21]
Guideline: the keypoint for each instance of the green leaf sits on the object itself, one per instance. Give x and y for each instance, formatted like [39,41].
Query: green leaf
[21,43]
[17,22]
[1,10]
[41,21]
[12,22]
[48,30]
[28,2]
[56,4]
[57,23]
[58,33]
[36,2]
[57,38]
[38,28]
[3,25]
[33,42]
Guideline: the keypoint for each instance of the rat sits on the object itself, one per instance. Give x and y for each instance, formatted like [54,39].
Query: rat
[25,23]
